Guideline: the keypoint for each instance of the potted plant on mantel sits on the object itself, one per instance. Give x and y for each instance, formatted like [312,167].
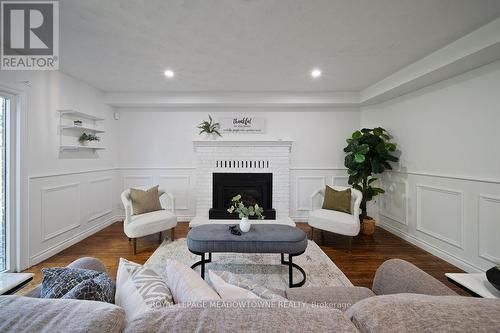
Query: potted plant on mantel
[369,152]
[210,128]
[244,212]
[85,138]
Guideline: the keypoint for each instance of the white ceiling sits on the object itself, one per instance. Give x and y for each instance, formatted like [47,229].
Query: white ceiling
[256,45]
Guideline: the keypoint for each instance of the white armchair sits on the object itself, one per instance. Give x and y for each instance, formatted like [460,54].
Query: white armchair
[136,226]
[338,222]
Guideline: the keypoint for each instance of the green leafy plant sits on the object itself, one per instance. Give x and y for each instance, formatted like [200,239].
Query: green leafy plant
[88,137]
[369,152]
[237,206]
[209,127]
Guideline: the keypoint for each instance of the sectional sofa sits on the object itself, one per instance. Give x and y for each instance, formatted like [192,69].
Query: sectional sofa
[403,299]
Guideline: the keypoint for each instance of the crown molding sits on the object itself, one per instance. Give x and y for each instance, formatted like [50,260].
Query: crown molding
[474,50]
[232,99]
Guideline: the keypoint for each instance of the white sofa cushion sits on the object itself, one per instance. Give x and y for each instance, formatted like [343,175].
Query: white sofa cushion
[150,223]
[186,284]
[333,221]
[228,291]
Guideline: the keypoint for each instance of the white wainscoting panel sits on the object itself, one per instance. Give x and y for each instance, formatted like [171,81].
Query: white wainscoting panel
[179,186]
[340,181]
[65,209]
[489,228]
[307,187]
[60,210]
[440,214]
[454,218]
[393,203]
[137,181]
[304,184]
[99,202]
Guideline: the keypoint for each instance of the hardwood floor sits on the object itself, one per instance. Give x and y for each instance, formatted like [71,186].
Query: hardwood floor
[368,252]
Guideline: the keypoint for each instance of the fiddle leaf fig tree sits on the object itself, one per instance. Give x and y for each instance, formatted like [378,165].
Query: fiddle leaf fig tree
[368,152]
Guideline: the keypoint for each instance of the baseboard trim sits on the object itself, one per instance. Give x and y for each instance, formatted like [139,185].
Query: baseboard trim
[446,256]
[41,256]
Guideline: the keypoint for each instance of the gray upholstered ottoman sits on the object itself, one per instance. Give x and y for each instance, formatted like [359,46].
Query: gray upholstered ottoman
[262,238]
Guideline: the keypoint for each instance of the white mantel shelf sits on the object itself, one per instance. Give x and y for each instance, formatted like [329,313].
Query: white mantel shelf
[242,143]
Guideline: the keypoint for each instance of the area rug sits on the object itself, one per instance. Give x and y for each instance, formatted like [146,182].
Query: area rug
[264,269]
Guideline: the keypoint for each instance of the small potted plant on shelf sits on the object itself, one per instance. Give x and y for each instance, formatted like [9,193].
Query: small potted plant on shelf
[244,212]
[210,129]
[85,139]
[369,152]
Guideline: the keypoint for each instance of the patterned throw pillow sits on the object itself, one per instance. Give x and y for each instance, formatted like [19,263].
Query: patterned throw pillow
[100,288]
[140,289]
[76,283]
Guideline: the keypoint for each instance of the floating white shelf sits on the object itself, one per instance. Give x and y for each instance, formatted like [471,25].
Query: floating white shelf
[79,114]
[76,147]
[82,128]
[69,132]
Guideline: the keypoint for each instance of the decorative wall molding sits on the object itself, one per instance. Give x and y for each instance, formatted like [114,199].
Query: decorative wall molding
[335,178]
[242,143]
[156,168]
[400,219]
[325,168]
[46,209]
[187,187]
[52,250]
[448,256]
[312,195]
[460,214]
[104,212]
[70,173]
[482,250]
[148,179]
[455,177]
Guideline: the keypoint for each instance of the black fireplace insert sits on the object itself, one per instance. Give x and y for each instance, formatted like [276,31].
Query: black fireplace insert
[255,188]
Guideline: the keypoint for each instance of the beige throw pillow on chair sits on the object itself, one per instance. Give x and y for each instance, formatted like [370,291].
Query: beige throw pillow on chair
[145,201]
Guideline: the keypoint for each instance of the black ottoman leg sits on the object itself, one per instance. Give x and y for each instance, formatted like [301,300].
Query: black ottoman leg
[203,266]
[291,265]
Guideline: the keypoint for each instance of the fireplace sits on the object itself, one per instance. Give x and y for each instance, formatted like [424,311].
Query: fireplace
[253,187]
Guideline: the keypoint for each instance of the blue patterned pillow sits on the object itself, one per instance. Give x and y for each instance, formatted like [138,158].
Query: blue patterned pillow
[78,284]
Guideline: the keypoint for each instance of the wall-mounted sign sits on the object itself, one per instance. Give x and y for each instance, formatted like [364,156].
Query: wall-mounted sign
[243,125]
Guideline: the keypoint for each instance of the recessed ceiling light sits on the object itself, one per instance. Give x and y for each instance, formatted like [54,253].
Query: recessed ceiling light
[315,73]
[169,73]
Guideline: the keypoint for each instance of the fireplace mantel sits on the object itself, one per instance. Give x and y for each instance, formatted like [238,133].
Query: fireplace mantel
[245,155]
[242,143]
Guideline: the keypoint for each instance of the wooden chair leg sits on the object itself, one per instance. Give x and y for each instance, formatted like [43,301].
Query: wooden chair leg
[159,238]
[129,239]
[134,242]
[350,244]
[312,233]
[172,234]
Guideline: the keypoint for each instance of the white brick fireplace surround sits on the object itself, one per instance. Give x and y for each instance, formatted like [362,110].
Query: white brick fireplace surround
[243,156]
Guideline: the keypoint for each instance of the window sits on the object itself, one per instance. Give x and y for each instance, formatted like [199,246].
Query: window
[4,230]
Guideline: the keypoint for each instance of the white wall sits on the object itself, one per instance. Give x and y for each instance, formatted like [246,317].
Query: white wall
[446,195]
[70,194]
[157,143]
